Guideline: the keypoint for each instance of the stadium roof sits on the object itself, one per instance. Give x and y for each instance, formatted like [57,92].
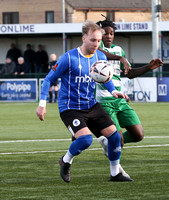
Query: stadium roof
[115,4]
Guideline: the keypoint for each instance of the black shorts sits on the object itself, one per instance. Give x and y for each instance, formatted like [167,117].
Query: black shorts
[95,118]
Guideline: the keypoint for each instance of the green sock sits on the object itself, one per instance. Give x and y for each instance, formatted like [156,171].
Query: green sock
[127,137]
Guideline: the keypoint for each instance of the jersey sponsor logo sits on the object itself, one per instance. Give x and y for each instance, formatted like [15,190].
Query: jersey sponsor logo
[76,122]
[82,79]
[54,68]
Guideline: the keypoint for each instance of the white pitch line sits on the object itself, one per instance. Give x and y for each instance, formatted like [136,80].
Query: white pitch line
[41,140]
[147,137]
[93,149]
[58,140]
[152,145]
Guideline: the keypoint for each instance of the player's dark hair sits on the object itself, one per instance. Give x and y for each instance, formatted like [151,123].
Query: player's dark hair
[105,23]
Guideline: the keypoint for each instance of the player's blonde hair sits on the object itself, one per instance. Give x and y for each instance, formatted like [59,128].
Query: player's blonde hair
[89,25]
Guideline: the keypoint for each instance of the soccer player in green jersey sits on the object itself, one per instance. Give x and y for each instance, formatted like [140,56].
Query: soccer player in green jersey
[119,110]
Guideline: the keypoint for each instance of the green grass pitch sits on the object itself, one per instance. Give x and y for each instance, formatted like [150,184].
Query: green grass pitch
[30,150]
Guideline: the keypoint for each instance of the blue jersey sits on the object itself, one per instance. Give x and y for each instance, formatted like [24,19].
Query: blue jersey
[77,87]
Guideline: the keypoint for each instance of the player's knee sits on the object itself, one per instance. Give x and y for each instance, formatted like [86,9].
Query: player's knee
[139,135]
[80,144]
[86,140]
[115,138]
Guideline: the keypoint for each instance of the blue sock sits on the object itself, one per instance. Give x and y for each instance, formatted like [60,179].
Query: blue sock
[114,146]
[80,144]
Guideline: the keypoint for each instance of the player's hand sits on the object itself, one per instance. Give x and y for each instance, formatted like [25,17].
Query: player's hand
[41,111]
[155,63]
[120,95]
[126,65]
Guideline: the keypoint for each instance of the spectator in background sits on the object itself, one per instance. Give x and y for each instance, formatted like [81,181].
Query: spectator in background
[21,67]
[41,60]
[51,64]
[13,53]
[8,67]
[29,56]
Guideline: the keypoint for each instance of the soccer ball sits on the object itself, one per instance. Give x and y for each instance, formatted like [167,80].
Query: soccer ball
[101,71]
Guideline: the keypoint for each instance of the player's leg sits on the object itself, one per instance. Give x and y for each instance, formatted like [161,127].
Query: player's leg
[56,95]
[77,126]
[114,153]
[50,95]
[111,110]
[83,141]
[106,126]
[134,133]
[56,91]
[104,143]
[128,119]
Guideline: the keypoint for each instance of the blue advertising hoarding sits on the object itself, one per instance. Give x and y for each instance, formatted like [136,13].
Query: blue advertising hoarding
[163,89]
[18,90]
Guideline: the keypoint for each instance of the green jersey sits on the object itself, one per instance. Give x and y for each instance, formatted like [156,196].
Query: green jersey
[118,109]
[102,94]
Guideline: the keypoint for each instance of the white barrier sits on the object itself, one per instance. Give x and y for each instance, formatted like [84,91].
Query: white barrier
[140,89]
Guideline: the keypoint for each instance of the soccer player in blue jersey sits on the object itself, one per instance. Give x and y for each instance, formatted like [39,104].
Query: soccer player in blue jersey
[78,108]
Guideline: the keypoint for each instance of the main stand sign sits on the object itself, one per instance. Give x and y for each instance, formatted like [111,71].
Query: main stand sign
[18,90]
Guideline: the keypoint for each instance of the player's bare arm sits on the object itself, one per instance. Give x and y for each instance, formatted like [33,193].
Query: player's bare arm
[117,94]
[41,111]
[111,56]
[155,63]
[135,72]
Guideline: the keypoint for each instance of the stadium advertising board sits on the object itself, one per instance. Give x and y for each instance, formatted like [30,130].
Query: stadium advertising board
[18,90]
[140,89]
[163,89]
